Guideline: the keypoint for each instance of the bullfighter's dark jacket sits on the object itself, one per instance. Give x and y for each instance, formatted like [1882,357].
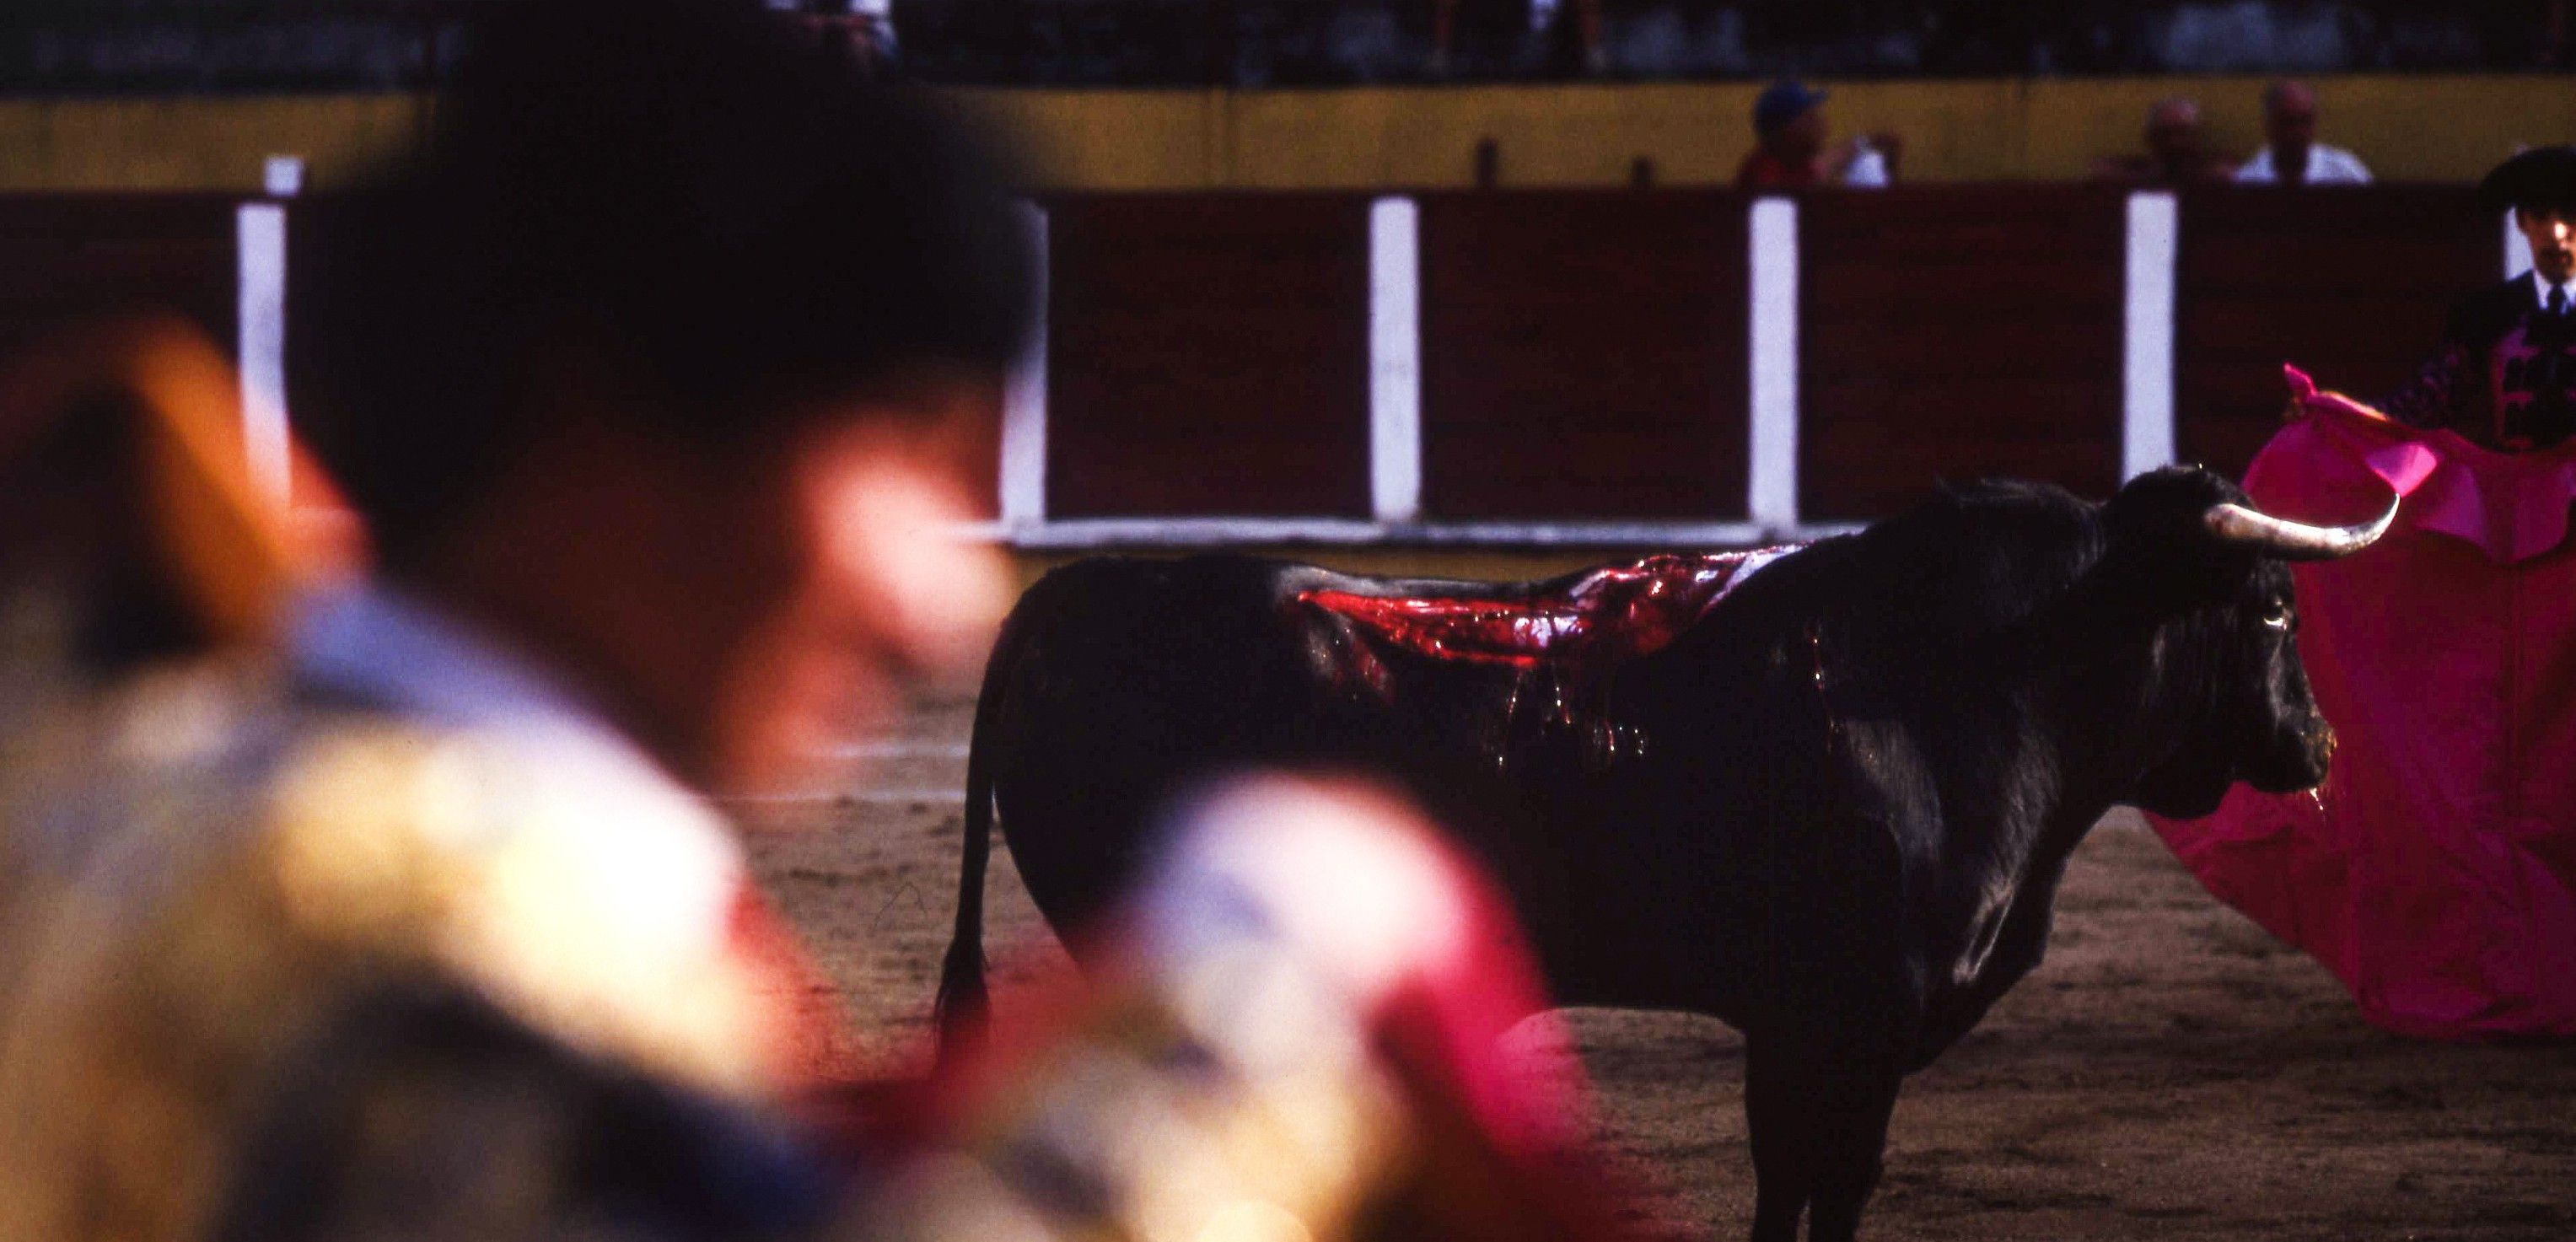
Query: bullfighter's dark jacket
[2505,376]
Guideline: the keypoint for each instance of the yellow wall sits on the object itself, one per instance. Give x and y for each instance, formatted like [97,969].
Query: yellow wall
[196,143]
[2407,128]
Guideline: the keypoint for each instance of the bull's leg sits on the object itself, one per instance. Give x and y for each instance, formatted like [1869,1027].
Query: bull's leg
[1851,1145]
[1818,1123]
[1777,1120]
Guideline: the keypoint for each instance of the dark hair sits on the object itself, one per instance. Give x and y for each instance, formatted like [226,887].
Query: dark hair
[680,188]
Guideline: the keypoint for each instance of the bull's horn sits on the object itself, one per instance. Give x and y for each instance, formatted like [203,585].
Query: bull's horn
[2293,541]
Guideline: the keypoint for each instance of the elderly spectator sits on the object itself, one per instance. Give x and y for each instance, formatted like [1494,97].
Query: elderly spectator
[1789,150]
[2291,154]
[2177,153]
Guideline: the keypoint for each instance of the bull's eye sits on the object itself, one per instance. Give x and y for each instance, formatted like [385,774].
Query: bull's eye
[2280,617]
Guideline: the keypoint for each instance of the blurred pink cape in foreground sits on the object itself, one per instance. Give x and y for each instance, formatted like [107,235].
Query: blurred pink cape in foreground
[2435,872]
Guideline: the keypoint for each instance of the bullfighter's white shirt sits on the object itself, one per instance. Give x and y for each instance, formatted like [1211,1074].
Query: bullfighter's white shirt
[2540,288]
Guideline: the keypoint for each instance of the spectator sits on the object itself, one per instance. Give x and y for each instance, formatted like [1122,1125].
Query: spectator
[2291,154]
[2177,152]
[1789,150]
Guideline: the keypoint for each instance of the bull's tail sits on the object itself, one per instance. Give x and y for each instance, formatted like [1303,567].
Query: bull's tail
[964,1005]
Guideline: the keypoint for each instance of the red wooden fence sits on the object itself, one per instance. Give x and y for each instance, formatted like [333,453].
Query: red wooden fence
[1583,355]
[1957,333]
[1208,355]
[68,254]
[2352,285]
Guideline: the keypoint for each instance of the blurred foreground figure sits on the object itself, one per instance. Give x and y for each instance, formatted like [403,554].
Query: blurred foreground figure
[143,575]
[418,1111]
[134,535]
[651,381]
[1295,1034]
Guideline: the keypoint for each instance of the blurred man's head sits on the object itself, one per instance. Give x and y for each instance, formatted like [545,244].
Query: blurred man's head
[1789,120]
[665,360]
[2539,186]
[2290,123]
[2173,135]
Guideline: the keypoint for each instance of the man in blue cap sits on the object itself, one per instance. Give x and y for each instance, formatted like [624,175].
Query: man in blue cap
[1789,151]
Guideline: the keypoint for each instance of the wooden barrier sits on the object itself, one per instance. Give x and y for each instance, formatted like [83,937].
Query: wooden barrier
[2353,286]
[1208,355]
[1956,333]
[69,254]
[1583,355]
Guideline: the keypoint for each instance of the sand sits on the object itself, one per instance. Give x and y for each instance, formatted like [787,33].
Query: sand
[2171,1072]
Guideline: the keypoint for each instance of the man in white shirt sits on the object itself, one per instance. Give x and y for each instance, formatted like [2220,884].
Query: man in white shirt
[2291,154]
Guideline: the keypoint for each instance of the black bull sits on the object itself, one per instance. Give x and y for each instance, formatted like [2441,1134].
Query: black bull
[1833,811]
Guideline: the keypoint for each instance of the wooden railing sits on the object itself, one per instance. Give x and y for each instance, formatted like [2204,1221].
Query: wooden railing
[1569,366]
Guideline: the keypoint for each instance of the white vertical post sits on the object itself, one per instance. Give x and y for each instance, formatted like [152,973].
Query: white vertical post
[2517,248]
[1395,360]
[259,247]
[1772,494]
[2147,356]
[1024,399]
[283,176]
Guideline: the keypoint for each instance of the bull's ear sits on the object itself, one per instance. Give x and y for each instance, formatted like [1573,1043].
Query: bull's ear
[2168,507]
[2157,535]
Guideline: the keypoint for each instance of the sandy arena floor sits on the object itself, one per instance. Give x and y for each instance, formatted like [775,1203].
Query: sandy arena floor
[2170,1073]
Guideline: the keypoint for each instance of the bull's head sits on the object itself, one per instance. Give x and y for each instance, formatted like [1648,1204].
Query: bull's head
[2212,576]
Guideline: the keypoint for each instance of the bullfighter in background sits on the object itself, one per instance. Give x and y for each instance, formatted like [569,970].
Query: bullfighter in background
[2505,377]
[2434,872]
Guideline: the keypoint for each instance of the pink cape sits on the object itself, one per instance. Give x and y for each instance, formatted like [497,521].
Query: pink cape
[2435,872]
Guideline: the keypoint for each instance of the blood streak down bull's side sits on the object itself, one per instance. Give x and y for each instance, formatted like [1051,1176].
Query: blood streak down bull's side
[1828,802]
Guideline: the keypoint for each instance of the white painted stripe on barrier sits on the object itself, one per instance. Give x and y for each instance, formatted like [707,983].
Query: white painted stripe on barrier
[2517,248]
[259,247]
[2147,356]
[1772,492]
[1395,360]
[1024,399]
